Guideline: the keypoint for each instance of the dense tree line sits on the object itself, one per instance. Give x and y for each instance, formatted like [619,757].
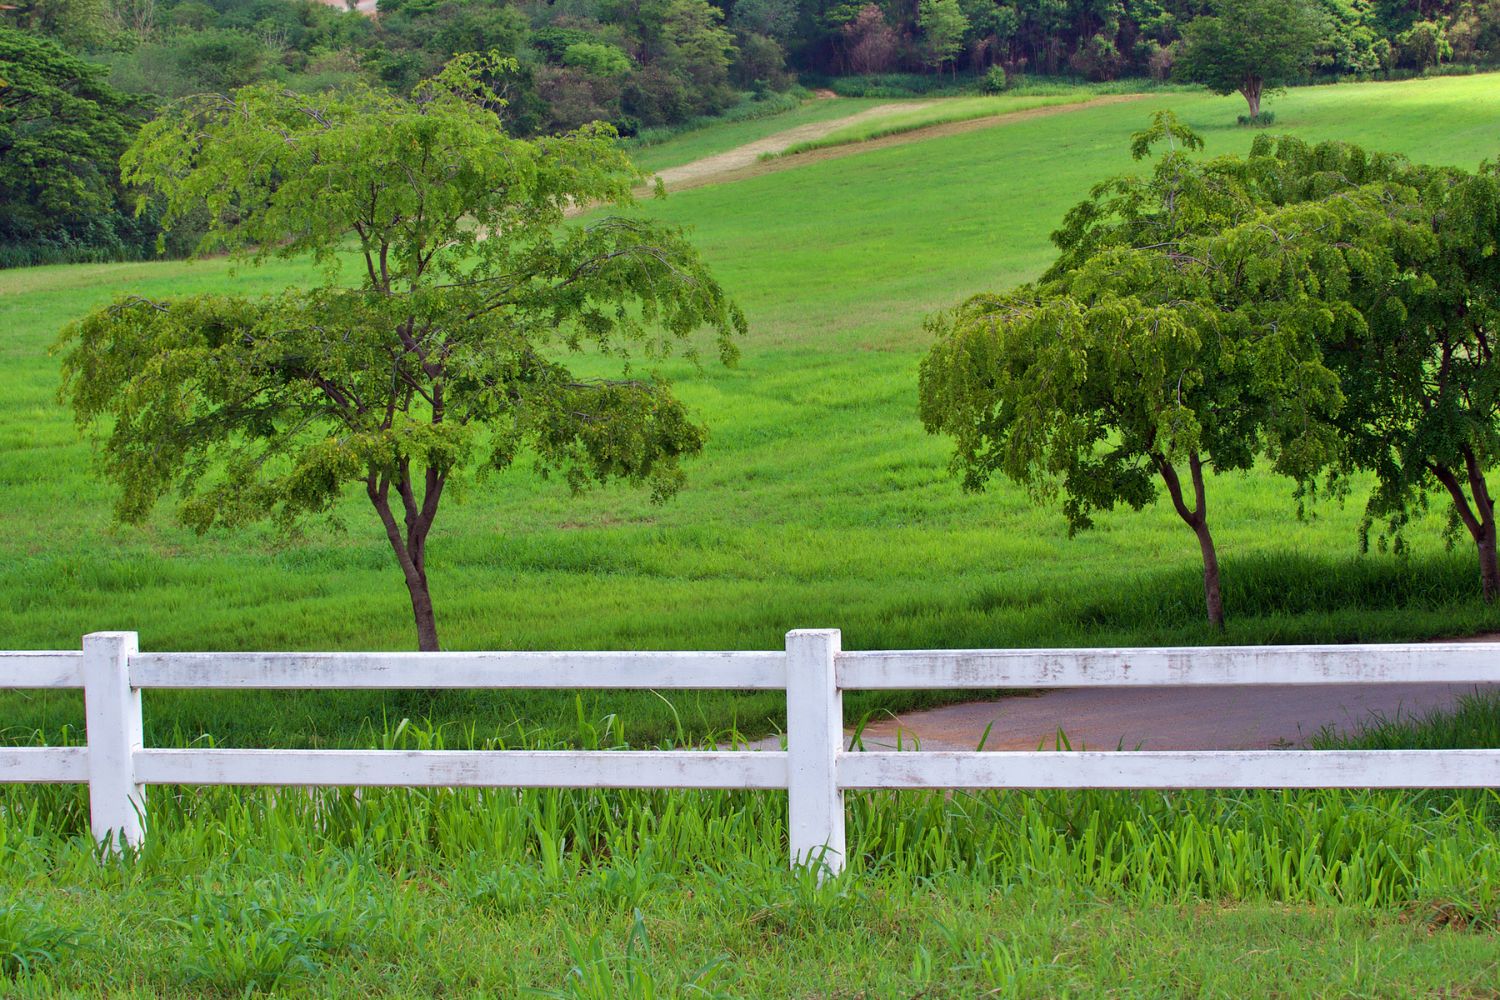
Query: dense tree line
[1109,39]
[84,74]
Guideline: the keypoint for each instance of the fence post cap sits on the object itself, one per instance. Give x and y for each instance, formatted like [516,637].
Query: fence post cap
[124,642]
[807,633]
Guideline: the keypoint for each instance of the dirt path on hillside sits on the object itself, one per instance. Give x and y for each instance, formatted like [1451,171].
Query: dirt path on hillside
[1245,717]
[744,161]
[705,170]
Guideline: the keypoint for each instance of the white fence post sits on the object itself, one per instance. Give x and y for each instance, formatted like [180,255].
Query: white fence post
[112,709]
[815,734]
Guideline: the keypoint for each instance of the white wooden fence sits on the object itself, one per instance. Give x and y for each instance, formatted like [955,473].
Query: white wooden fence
[815,769]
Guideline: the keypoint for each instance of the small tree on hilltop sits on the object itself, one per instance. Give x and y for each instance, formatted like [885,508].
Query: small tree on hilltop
[439,359]
[1250,46]
[1195,349]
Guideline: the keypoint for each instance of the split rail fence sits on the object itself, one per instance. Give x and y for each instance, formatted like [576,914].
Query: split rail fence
[815,769]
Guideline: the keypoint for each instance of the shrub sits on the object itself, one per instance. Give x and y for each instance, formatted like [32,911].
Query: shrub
[994,80]
[760,65]
[1423,45]
[597,59]
[656,97]
[1097,59]
[574,96]
[1262,120]
[1159,59]
[897,85]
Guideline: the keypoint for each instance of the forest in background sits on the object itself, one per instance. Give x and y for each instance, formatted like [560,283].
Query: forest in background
[78,77]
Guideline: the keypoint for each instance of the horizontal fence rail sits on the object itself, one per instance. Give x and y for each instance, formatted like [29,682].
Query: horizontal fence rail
[1208,666]
[815,769]
[745,671]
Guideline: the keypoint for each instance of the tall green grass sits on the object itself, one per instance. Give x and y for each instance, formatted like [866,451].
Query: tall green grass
[650,893]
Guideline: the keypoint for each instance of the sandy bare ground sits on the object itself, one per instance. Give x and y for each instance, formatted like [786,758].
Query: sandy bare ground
[744,161]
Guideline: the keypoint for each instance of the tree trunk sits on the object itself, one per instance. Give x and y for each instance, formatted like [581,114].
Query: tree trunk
[1251,90]
[1489,568]
[1476,510]
[1212,598]
[411,548]
[421,609]
[1196,517]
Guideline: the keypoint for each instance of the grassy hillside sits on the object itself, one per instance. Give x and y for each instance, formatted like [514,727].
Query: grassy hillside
[944,112]
[820,500]
[718,138]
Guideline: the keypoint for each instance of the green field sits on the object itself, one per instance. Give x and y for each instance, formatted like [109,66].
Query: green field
[942,112]
[718,138]
[819,502]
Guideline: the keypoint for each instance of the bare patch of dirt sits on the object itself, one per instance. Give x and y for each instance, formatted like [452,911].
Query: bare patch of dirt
[743,162]
[704,171]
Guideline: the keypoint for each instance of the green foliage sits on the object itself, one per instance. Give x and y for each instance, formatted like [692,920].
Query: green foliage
[74,23]
[1263,120]
[437,361]
[597,59]
[1249,46]
[1421,375]
[1423,45]
[61,130]
[995,80]
[943,24]
[1353,44]
[1180,326]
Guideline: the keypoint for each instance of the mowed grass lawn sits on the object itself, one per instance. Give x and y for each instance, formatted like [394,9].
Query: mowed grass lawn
[820,500]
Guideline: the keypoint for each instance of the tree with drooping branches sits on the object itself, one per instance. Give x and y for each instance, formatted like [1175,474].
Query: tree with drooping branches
[1180,334]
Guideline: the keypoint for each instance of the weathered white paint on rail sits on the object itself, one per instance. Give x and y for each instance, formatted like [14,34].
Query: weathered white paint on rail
[1174,769]
[62,669]
[737,670]
[1463,663]
[466,768]
[44,764]
[814,770]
